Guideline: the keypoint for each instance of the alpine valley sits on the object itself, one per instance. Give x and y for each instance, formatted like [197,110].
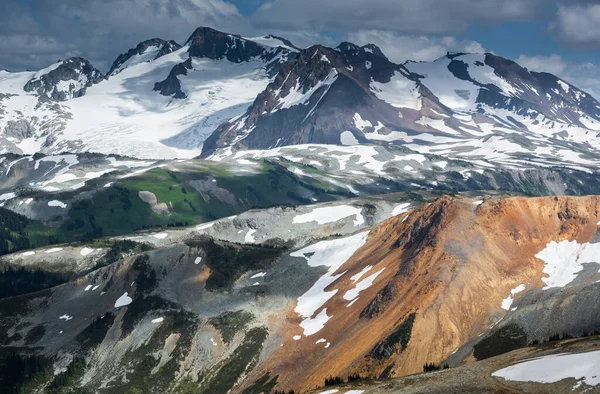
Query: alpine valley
[242,215]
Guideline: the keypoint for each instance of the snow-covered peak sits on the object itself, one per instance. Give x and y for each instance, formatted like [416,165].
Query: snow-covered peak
[272,41]
[64,80]
[145,51]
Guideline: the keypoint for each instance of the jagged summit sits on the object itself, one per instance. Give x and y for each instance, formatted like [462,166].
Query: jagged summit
[147,50]
[64,80]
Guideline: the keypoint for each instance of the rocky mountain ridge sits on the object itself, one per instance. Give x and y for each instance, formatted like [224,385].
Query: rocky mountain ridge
[222,92]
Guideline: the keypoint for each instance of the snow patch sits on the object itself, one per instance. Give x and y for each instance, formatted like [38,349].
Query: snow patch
[86,251]
[158,320]
[400,209]
[348,139]
[507,302]
[332,254]
[124,300]
[56,203]
[361,286]
[331,214]
[160,235]
[563,261]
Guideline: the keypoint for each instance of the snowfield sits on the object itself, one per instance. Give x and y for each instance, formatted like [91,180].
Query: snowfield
[563,261]
[583,367]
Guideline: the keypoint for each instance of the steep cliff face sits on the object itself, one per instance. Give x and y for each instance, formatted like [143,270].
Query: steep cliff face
[443,275]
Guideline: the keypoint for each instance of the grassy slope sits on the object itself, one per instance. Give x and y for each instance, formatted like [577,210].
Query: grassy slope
[118,210]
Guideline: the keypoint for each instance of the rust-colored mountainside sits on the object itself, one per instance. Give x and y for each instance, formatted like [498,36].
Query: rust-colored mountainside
[446,269]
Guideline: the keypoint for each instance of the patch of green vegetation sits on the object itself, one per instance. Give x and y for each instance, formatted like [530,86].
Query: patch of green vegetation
[19,233]
[117,248]
[17,281]
[140,307]
[243,359]
[229,323]
[263,385]
[146,279]
[506,339]
[141,362]
[23,375]
[430,367]
[94,334]
[65,382]
[228,261]
[401,335]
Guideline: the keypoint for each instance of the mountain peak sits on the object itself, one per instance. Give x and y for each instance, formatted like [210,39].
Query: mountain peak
[64,80]
[147,50]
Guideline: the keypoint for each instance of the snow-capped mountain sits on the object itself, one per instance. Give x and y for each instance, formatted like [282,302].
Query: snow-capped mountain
[64,80]
[474,106]
[123,114]
[221,92]
[145,51]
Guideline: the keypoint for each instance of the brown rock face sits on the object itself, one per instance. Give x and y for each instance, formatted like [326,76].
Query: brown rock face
[446,269]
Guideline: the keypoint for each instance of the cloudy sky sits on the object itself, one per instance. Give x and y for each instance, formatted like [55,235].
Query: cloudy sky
[558,36]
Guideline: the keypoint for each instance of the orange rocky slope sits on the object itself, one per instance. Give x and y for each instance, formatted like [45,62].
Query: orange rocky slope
[451,263]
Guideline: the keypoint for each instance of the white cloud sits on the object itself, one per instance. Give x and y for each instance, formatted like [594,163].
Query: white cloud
[400,48]
[578,25]
[553,64]
[585,76]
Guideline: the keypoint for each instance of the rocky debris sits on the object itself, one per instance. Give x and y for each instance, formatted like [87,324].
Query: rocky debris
[19,129]
[68,80]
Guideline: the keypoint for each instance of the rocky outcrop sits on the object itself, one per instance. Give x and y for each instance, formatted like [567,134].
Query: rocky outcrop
[65,81]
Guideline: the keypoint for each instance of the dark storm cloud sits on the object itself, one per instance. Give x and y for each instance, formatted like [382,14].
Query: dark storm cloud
[420,17]
[36,33]
[35,36]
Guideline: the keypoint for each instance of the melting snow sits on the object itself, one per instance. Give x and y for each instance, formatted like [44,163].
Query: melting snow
[160,235]
[259,275]
[362,285]
[66,317]
[355,278]
[158,320]
[332,254]
[53,250]
[86,251]
[322,340]
[347,138]
[507,302]
[554,368]
[331,214]
[88,288]
[28,254]
[564,261]
[198,260]
[297,337]
[56,203]
[478,202]
[400,209]
[249,238]
[124,300]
